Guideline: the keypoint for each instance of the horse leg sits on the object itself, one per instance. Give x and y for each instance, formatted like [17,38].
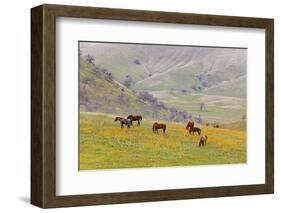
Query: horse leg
[122,126]
[138,122]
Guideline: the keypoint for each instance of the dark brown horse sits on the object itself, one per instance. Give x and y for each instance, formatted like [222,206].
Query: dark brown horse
[123,121]
[135,118]
[203,140]
[189,124]
[157,126]
[195,129]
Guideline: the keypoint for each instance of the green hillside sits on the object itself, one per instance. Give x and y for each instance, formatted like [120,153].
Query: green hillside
[217,108]
[97,93]
[212,70]
[177,77]
[118,61]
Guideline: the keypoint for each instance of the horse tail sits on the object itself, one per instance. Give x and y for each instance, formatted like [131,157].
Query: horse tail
[199,131]
[164,128]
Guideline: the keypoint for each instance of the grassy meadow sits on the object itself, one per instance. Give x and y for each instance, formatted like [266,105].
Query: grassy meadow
[218,108]
[104,145]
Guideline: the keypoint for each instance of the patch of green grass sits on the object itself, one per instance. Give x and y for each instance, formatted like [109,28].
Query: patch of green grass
[104,145]
[213,112]
[120,62]
[177,79]
[239,125]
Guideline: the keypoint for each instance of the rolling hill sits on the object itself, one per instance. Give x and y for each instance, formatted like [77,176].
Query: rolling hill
[100,94]
[210,70]
[181,77]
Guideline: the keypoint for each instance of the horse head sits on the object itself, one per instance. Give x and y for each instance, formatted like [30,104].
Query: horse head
[116,119]
[190,124]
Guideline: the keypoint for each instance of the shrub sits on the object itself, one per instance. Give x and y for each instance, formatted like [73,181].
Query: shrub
[137,61]
[128,81]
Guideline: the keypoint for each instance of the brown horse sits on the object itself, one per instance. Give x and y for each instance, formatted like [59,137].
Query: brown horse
[123,121]
[189,124]
[195,129]
[135,118]
[203,140]
[157,126]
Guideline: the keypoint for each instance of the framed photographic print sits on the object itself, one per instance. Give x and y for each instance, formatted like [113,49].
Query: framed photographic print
[136,106]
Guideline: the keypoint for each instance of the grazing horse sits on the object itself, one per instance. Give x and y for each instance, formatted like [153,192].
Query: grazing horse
[203,140]
[194,129]
[123,121]
[189,124]
[135,118]
[157,126]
